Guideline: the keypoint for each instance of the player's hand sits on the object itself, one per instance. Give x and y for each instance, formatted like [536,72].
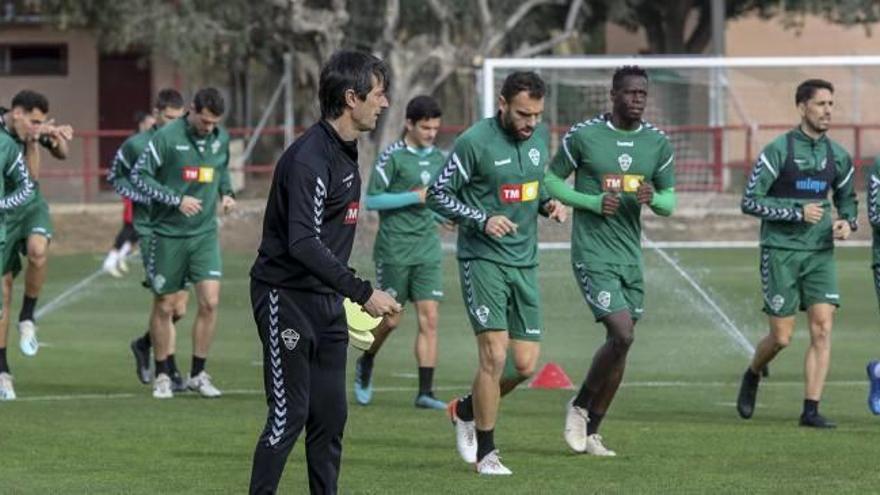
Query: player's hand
[381,304]
[423,194]
[610,204]
[499,226]
[448,226]
[645,193]
[64,132]
[841,230]
[228,203]
[556,211]
[813,212]
[190,206]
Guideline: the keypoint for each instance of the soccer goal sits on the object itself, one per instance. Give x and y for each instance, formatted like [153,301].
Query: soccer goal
[718,112]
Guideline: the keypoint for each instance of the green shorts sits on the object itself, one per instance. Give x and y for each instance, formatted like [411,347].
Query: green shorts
[611,288]
[793,280]
[31,219]
[500,297]
[175,261]
[411,282]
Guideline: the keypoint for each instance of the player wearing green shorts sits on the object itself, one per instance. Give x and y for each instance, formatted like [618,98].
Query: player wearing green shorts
[788,190]
[620,163]
[169,106]
[19,130]
[407,249]
[29,227]
[184,171]
[491,186]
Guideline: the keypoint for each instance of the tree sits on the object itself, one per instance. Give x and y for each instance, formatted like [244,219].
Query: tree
[667,28]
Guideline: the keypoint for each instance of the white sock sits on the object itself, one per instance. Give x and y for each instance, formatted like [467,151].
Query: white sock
[111,259]
[876,370]
[125,249]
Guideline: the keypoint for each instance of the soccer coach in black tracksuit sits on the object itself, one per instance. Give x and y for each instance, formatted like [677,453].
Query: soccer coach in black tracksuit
[301,275]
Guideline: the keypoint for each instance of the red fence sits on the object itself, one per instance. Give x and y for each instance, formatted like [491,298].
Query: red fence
[706,156]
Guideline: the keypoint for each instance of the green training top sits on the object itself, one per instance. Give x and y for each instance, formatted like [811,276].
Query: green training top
[873,184]
[16,188]
[408,235]
[778,189]
[179,162]
[608,160]
[491,173]
[120,176]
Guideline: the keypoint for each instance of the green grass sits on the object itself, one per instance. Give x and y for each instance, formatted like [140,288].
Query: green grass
[681,437]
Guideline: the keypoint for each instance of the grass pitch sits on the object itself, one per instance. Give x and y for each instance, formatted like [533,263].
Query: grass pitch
[83,424]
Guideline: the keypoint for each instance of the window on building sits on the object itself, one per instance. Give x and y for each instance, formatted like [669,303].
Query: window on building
[33,60]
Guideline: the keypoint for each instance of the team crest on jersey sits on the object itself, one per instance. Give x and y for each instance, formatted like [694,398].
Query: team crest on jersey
[215,147]
[482,314]
[426,177]
[291,338]
[777,302]
[535,156]
[625,161]
[604,299]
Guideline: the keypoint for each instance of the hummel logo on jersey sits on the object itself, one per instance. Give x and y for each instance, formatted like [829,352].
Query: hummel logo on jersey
[800,161]
[348,179]
[499,163]
[437,293]
[291,338]
[182,147]
[519,193]
[533,331]
[832,296]
[626,144]
[424,163]
[351,214]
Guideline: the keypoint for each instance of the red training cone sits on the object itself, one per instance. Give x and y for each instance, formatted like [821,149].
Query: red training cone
[551,375]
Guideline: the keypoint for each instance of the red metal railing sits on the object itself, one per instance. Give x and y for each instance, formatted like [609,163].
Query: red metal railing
[722,153]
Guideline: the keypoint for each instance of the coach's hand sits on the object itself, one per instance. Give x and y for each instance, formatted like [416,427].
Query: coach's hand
[381,304]
[813,212]
[190,206]
[499,226]
[610,204]
[645,193]
[842,230]
[228,203]
[423,194]
[556,210]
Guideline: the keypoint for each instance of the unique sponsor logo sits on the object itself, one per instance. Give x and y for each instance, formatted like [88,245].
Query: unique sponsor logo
[535,156]
[626,144]
[425,176]
[182,147]
[625,161]
[351,213]
[816,186]
[499,163]
[198,174]
[482,314]
[604,299]
[776,302]
[519,193]
[622,182]
[291,338]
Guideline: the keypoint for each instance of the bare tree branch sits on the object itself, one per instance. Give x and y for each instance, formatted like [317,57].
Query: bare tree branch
[570,23]
[392,19]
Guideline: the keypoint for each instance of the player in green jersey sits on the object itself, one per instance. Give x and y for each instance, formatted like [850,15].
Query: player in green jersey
[407,248]
[169,107]
[184,171]
[788,190]
[29,227]
[620,163]
[18,128]
[491,186]
[873,183]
